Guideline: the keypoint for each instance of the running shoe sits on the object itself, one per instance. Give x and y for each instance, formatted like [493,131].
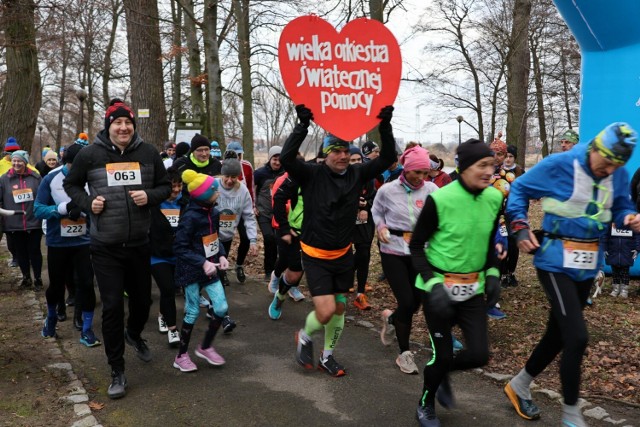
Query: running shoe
[13,263]
[304,349]
[361,302]
[330,366]
[275,308]
[184,363]
[89,339]
[406,364]
[228,325]
[204,303]
[524,407]
[513,282]
[224,278]
[426,416]
[118,386]
[504,281]
[444,394]
[295,294]
[61,312]
[49,329]
[273,283]
[210,355]
[388,332]
[495,313]
[139,345]
[71,300]
[26,283]
[162,325]
[173,336]
[240,274]
[37,284]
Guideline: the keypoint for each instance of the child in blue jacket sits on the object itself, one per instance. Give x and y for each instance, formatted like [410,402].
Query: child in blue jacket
[620,250]
[199,255]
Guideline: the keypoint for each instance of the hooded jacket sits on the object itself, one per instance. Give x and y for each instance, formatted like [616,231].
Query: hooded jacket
[121,222]
[11,181]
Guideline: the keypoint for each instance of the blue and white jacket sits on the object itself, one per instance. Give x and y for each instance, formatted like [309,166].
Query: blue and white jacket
[51,205]
[576,204]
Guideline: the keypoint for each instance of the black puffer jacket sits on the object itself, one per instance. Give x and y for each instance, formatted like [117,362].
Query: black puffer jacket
[121,222]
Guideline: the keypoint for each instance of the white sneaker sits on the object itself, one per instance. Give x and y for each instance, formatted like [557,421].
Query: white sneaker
[173,337]
[295,294]
[388,332]
[615,289]
[624,291]
[406,364]
[273,283]
[204,303]
[162,325]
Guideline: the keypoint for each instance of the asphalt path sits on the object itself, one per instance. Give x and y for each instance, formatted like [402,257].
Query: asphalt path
[262,385]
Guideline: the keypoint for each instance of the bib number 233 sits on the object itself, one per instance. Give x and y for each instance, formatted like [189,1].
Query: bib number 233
[583,256]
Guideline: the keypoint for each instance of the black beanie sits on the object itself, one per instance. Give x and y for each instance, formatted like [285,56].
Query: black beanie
[513,150]
[199,141]
[70,153]
[470,152]
[117,108]
[182,148]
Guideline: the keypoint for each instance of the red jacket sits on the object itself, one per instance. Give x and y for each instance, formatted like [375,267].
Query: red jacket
[247,177]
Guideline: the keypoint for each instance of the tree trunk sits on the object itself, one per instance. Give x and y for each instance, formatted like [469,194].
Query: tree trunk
[145,63]
[195,68]
[241,9]
[116,10]
[22,89]
[63,89]
[537,79]
[518,78]
[176,81]
[214,83]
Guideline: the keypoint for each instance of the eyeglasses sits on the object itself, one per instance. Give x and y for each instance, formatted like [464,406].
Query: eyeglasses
[202,150]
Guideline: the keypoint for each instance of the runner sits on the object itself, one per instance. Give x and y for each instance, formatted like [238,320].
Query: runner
[395,211]
[330,193]
[459,221]
[582,191]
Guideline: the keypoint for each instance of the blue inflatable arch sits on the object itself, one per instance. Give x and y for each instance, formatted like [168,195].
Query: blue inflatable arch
[608,33]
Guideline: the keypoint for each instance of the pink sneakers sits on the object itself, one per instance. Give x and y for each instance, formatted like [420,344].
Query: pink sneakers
[210,355]
[184,363]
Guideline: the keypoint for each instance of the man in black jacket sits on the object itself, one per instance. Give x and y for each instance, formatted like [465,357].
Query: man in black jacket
[125,177]
[331,193]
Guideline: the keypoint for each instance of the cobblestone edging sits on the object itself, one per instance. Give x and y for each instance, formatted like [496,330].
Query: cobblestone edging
[596,412]
[77,395]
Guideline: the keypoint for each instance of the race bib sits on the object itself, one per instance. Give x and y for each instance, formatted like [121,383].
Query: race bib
[69,228]
[172,215]
[127,173]
[23,195]
[227,221]
[461,287]
[580,255]
[211,245]
[619,232]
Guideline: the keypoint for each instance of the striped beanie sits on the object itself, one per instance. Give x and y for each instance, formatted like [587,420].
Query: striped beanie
[200,186]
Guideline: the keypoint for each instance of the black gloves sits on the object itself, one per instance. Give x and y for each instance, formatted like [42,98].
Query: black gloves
[73,211]
[385,116]
[492,290]
[439,302]
[304,115]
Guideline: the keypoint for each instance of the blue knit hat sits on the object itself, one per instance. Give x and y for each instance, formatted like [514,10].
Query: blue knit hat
[11,145]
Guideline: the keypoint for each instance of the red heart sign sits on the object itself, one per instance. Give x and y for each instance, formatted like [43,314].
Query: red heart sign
[344,78]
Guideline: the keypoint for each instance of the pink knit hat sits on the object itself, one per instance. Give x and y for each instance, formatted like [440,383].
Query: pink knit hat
[415,158]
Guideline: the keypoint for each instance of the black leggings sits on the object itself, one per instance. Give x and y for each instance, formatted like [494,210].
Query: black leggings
[362,256]
[270,247]
[401,275]
[243,247]
[620,274]
[509,264]
[163,273]
[27,251]
[73,262]
[566,331]
[471,316]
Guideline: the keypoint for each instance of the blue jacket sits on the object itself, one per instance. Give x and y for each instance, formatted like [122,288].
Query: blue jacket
[196,222]
[618,246]
[576,205]
[51,200]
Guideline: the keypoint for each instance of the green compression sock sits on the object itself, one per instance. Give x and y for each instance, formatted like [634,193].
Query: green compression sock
[332,332]
[312,324]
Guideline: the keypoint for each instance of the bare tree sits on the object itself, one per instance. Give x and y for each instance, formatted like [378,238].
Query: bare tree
[147,81]
[21,91]
[518,68]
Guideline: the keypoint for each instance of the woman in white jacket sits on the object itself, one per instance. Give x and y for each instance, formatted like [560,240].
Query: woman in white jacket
[395,211]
